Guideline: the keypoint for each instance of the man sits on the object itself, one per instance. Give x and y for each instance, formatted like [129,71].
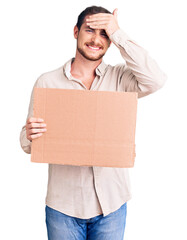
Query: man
[91,202]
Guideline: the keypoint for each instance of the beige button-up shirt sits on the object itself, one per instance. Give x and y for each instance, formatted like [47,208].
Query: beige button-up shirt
[86,192]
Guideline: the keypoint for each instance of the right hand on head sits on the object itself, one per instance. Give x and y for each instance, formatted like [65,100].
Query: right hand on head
[35,128]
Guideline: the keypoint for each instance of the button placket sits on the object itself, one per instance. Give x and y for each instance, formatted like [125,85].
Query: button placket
[98,189]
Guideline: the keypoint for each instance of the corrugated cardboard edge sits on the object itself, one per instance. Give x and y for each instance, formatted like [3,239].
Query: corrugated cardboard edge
[34,143]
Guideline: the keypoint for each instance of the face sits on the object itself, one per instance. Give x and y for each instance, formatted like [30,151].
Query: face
[92,44]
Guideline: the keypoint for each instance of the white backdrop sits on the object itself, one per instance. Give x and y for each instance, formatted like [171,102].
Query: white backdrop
[36,37]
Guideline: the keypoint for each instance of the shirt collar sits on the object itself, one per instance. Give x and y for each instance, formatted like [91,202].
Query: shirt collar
[100,70]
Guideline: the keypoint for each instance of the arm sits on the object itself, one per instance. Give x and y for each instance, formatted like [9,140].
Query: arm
[33,127]
[141,73]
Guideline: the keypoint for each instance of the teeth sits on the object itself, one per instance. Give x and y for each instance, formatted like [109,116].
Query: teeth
[94,48]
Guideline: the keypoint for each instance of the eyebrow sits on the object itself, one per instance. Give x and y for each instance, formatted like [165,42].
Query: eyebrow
[102,30]
[87,27]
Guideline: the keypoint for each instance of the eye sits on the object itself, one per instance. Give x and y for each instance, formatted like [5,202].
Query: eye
[89,30]
[104,35]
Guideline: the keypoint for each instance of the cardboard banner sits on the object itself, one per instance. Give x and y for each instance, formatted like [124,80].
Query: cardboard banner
[85,128]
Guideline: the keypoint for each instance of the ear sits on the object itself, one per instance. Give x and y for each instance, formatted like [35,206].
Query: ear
[76,31]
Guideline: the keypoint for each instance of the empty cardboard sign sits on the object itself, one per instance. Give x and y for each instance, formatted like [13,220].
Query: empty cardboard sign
[85,128]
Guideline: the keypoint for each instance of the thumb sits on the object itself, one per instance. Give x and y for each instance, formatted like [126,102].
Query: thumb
[115,12]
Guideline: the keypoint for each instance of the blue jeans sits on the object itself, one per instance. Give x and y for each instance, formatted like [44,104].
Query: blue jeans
[63,227]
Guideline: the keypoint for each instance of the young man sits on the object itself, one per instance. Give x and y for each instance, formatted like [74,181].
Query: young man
[91,202]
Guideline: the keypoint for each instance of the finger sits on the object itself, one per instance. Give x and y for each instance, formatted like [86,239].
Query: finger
[98,26]
[115,12]
[99,15]
[97,23]
[34,136]
[102,23]
[36,130]
[37,125]
[97,19]
[33,119]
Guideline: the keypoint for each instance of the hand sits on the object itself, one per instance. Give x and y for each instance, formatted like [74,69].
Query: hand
[35,128]
[105,21]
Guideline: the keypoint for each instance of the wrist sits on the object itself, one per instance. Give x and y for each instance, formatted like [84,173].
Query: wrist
[113,32]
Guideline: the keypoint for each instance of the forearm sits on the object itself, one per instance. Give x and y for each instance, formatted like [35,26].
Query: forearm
[24,142]
[146,71]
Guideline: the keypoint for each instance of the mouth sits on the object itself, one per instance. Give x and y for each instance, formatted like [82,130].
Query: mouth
[93,48]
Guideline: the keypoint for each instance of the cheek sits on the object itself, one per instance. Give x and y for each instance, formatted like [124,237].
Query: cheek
[107,45]
[79,41]
[106,42]
[84,39]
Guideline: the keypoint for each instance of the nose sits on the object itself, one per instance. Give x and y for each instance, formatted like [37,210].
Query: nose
[96,38]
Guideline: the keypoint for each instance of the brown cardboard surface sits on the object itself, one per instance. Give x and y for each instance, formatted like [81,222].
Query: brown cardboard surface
[85,128]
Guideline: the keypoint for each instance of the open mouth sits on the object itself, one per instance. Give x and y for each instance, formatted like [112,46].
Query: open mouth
[94,48]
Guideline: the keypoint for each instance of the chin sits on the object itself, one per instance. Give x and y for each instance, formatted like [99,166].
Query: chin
[91,57]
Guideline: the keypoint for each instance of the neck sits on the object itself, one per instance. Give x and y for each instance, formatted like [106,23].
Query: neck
[83,67]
